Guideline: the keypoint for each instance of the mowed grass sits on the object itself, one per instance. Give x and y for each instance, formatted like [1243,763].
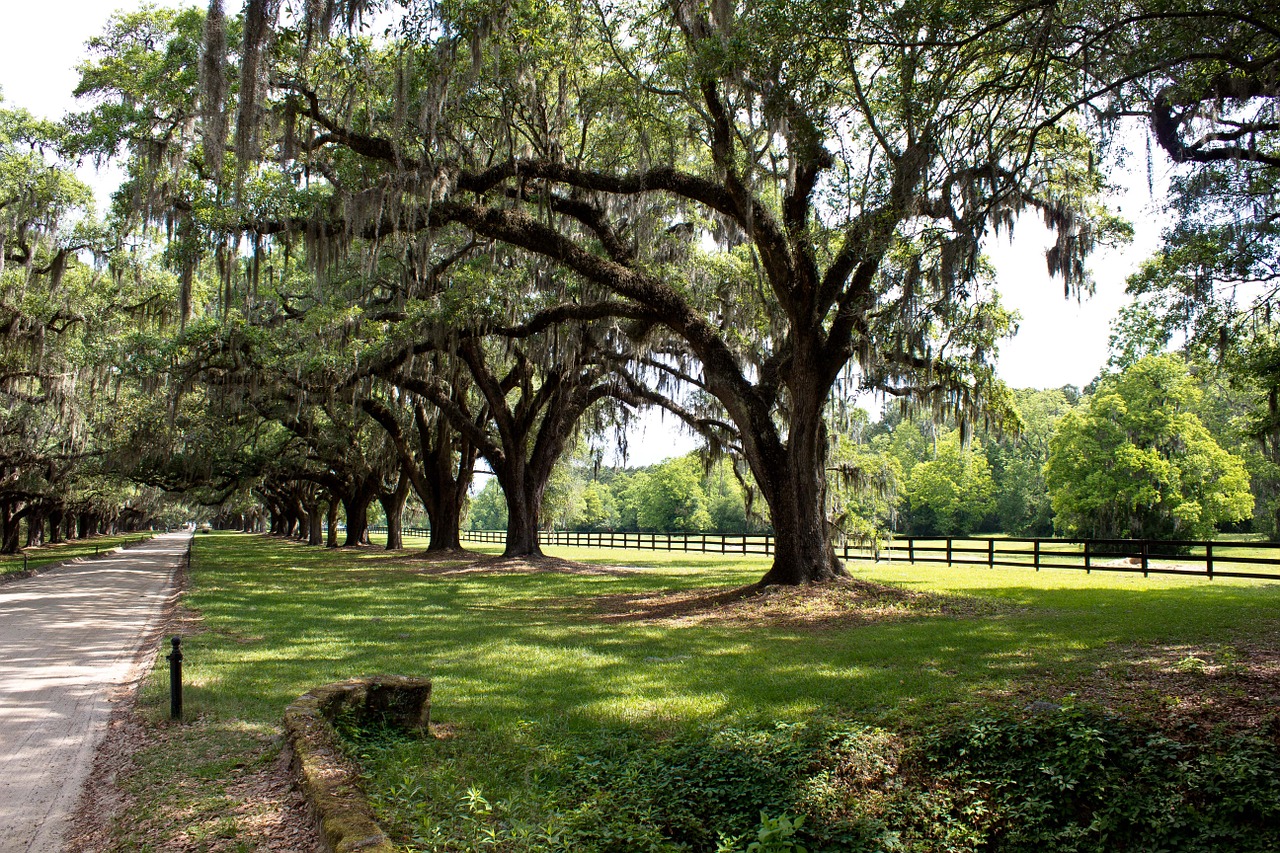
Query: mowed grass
[45,555]
[524,659]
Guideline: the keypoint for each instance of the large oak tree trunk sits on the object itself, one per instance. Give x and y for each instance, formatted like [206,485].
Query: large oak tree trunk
[393,507]
[356,508]
[445,483]
[523,490]
[331,540]
[315,524]
[10,527]
[35,530]
[56,520]
[793,480]
[446,526]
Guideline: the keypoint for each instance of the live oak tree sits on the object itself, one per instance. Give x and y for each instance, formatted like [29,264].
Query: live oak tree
[60,317]
[787,188]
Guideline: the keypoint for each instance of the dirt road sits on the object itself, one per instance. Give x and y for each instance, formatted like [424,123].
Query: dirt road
[67,637]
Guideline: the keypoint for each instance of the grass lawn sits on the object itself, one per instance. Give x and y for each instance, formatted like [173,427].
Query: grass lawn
[626,660]
[46,554]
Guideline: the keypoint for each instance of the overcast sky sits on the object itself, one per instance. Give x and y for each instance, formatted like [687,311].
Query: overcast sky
[1059,341]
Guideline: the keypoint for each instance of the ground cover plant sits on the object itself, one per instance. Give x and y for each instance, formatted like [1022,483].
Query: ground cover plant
[625,701]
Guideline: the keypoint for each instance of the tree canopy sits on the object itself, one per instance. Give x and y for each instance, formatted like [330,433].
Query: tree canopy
[1136,461]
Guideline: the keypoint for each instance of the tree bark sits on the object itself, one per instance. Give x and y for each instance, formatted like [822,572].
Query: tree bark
[315,524]
[393,507]
[356,508]
[445,485]
[331,536]
[56,518]
[35,530]
[523,491]
[10,526]
[792,477]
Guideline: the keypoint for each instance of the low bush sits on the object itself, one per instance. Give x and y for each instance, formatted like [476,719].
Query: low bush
[1065,780]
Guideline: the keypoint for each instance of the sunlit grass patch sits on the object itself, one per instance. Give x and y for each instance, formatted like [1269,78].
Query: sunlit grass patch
[539,663]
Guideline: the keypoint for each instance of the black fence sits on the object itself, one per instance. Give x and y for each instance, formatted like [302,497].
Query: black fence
[1210,559]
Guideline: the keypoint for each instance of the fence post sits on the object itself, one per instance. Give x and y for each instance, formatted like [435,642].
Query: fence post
[175,679]
[991,553]
[1208,558]
[1086,556]
[1036,550]
[1146,546]
[911,550]
[948,550]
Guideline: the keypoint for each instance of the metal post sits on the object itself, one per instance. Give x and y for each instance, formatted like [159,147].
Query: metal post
[175,679]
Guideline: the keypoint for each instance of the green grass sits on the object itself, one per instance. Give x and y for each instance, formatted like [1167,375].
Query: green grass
[527,675]
[47,554]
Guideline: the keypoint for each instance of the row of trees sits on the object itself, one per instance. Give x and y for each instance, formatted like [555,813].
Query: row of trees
[1151,450]
[678,495]
[352,266]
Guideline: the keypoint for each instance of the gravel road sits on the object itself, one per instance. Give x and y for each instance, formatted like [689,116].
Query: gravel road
[67,638]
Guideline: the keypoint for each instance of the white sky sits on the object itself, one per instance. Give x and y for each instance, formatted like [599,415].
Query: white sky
[1059,341]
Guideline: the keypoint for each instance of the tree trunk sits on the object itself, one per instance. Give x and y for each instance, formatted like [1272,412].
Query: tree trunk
[446,485]
[793,480]
[393,508]
[56,519]
[10,527]
[524,504]
[356,509]
[315,524]
[304,521]
[35,530]
[331,540]
[446,526]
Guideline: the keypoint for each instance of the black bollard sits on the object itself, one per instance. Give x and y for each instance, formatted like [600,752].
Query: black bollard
[175,679]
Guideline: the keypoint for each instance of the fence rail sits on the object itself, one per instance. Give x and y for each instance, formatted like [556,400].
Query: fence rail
[1259,560]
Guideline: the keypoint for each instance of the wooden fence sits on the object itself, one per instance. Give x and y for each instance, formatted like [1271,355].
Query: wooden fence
[1210,559]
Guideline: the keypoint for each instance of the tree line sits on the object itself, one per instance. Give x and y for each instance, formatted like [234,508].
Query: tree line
[363,247]
[1156,449]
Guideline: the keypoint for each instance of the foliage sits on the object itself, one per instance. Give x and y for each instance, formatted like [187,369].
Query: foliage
[866,490]
[1022,505]
[488,509]
[1076,780]
[951,493]
[1136,462]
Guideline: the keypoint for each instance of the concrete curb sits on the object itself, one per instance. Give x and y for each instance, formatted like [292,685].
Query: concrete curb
[327,779]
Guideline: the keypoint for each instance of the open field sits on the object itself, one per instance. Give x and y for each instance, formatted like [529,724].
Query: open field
[543,671]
